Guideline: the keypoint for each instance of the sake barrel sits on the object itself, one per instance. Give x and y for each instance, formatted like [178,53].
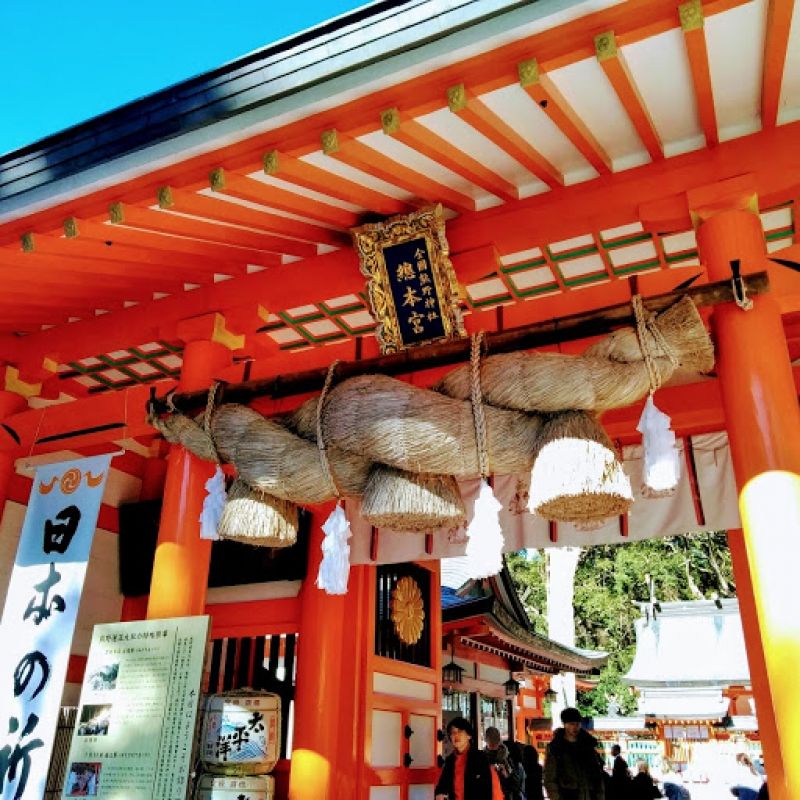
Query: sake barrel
[241,733]
[227,787]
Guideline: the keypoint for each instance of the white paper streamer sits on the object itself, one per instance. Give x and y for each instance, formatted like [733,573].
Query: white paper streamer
[334,570]
[213,504]
[662,469]
[485,536]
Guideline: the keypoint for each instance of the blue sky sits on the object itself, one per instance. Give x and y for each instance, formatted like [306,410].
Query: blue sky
[62,63]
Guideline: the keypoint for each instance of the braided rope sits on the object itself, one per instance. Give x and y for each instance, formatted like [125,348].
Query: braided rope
[645,322]
[323,454]
[210,403]
[476,396]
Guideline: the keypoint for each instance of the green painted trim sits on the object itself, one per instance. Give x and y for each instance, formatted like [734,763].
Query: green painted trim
[298,320]
[642,265]
[782,233]
[595,277]
[547,287]
[491,301]
[612,244]
[683,256]
[570,254]
[540,262]
[335,312]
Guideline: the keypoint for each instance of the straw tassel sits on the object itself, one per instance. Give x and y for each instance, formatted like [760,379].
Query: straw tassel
[484,534]
[213,504]
[661,463]
[334,571]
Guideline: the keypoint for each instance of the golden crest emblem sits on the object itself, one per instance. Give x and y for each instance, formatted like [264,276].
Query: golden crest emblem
[408,611]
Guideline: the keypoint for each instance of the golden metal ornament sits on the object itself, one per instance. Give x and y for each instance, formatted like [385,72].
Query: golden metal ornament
[408,612]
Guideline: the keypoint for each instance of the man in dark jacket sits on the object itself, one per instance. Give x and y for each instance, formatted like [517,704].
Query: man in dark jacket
[466,774]
[573,769]
[620,776]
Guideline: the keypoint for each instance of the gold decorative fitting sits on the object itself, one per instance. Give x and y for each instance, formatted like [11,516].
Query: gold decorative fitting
[271,165]
[528,72]
[70,227]
[457,97]
[217,179]
[390,120]
[27,243]
[605,46]
[408,610]
[116,214]
[165,197]
[691,15]
[330,141]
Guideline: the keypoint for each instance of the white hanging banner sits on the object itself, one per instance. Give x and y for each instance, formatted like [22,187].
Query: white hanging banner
[39,617]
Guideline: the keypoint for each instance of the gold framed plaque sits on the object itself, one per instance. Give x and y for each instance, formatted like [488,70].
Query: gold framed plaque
[412,286]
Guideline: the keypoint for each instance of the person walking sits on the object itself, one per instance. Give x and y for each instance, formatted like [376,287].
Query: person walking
[643,787]
[573,769]
[466,774]
[620,781]
[533,773]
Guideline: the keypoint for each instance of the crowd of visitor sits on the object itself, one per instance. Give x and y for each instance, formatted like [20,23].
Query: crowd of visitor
[574,769]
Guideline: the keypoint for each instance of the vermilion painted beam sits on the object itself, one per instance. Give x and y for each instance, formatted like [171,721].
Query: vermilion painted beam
[158,243]
[543,91]
[613,64]
[244,187]
[477,114]
[430,144]
[350,151]
[692,25]
[301,173]
[776,42]
[164,222]
[97,258]
[93,250]
[219,210]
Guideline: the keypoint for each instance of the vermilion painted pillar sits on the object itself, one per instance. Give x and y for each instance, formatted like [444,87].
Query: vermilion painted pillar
[10,403]
[328,688]
[180,570]
[763,423]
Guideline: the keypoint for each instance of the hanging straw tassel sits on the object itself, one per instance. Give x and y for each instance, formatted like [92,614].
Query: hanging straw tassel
[334,570]
[254,517]
[661,462]
[484,535]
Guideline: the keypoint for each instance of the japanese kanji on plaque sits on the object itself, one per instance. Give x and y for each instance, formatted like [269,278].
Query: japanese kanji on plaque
[412,286]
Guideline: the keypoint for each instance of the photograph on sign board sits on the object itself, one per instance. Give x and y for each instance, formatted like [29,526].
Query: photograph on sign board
[94,720]
[84,779]
[104,679]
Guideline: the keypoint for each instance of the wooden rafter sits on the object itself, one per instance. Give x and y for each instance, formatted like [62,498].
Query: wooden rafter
[477,114]
[283,166]
[244,187]
[693,27]
[356,154]
[135,258]
[219,210]
[776,41]
[613,64]
[165,222]
[123,273]
[159,243]
[543,91]
[420,138]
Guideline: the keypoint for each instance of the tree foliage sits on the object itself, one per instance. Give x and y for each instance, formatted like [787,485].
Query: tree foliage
[610,581]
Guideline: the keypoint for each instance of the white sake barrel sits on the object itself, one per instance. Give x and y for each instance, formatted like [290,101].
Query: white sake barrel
[241,733]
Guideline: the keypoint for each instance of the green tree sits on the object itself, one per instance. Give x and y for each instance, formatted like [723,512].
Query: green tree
[610,581]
